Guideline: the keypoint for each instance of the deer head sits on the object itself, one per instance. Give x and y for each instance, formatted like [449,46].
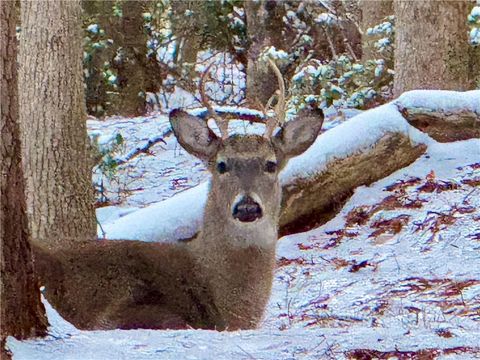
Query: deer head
[245,188]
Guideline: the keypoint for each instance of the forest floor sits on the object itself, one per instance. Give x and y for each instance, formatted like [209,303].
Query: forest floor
[396,274]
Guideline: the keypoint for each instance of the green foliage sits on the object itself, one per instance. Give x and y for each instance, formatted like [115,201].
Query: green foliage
[219,24]
[345,82]
[98,51]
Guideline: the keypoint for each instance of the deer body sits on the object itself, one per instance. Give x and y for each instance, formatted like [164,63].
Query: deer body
[219,280]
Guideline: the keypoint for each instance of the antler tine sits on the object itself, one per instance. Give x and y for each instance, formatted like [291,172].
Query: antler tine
[279,118]
[221,123]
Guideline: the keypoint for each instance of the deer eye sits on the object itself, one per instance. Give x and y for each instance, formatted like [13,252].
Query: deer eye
[222,167]
[270,166]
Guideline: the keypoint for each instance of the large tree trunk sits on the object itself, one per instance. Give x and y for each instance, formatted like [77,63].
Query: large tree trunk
[431,46]
[21,312]
[373,13]
[52,120]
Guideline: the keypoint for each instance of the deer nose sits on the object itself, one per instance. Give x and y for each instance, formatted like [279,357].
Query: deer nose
[247,210]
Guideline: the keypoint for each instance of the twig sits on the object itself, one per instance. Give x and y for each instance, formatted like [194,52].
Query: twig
[104,234]
[144,149]
[247,353]
[330,42]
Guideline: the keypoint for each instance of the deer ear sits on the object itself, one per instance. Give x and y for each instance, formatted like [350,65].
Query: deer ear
[194,135]
[297,135]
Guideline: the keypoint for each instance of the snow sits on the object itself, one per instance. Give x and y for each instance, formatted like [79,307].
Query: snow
[93,28]
[272,53]
[475,11]
[444,100]
[184,212]
[474,36]
[326,19]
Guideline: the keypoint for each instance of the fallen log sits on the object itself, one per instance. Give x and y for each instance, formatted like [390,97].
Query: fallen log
[444,115]
[308,203]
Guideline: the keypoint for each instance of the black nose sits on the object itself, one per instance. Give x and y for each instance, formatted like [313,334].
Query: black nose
[247,210]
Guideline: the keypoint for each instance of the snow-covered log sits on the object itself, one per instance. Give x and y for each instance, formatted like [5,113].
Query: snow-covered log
[358,152]
[314,200]
[444,115]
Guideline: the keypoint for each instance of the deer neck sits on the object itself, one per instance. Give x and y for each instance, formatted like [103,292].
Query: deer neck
[221,231]
[238,263]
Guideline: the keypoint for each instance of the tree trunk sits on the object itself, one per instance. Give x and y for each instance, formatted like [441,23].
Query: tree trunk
[373,13]
[96,96]
[264,24]
[52,119]
[132,62]
[431,46]
[21,312]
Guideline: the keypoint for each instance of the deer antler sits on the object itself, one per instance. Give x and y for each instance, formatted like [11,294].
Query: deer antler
[221,123]
[279,108]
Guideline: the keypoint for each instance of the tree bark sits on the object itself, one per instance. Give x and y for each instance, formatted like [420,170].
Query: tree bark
[264,24]
[132,63]
[373,13]
[96,97]
[441,125]
[431,46]
[21,312]
[52,119]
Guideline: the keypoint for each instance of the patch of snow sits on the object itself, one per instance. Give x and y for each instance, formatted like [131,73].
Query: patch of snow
[441,99]
[326,19]
[93,28]
[108,214]
[184,212]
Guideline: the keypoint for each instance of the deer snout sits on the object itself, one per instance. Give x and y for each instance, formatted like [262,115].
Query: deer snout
[247,210]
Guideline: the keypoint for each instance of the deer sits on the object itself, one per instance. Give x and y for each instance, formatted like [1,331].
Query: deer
[222,278]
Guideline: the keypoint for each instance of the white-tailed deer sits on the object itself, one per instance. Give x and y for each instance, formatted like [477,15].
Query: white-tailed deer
[219,280]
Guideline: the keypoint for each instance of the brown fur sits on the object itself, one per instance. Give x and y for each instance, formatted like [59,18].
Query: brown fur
[126,284]
[219,280]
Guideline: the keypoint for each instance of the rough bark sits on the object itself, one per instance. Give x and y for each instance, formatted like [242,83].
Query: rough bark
[461,124]
[21,312]
[373,13]
[431,46]
[52,119]
[132,63]
[264,24]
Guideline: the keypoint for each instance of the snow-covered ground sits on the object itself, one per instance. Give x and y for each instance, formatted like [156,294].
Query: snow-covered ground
[396,274]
